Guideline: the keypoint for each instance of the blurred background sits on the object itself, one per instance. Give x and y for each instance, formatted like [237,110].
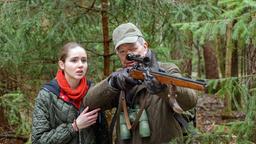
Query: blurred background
[213,40]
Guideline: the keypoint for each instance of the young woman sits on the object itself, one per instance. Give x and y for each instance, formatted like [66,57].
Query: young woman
[59,116]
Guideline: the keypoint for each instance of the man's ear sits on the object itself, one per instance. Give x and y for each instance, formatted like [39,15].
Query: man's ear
[61,64]
[146,48]
[145,45]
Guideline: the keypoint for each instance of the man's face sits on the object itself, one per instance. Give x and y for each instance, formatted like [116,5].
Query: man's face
[132,48]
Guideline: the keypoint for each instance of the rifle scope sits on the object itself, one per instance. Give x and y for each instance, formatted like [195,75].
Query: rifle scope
[138,58]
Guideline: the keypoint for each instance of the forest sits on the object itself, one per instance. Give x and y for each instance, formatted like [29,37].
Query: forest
[211,40]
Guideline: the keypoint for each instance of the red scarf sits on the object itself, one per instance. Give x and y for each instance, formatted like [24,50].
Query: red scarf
[69,95]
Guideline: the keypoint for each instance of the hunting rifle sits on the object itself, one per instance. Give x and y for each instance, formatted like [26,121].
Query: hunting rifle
[141,71]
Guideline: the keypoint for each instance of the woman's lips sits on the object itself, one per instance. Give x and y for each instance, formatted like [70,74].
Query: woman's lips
[79,72]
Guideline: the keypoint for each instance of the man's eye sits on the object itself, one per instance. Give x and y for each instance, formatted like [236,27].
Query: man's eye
[133,49]
[121,52]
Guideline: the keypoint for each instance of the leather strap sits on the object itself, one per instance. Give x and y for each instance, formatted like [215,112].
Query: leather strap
[126,116]
[135,123]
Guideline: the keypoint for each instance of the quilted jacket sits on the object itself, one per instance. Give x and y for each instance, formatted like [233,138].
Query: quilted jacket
[52,123]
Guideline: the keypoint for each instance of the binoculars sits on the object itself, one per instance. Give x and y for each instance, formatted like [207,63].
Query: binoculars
[144,129]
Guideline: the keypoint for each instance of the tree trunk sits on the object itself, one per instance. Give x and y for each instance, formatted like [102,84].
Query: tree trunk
[250,56]
[3,120]
[188,68]
[221,54]
[234,73]
[199,59]
[228,65]
[234,61]
[211,64]
[104,7]
[3,90]
[186,65]
[251,64]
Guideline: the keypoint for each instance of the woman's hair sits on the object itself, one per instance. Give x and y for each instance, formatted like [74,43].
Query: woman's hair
[65,49]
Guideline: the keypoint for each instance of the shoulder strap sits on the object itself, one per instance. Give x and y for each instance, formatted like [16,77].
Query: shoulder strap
[116,120]
[53,87]
[142,107]
[181,120]
[124,108]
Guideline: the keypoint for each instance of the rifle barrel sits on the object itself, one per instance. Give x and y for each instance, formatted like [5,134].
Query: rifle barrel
[165,78]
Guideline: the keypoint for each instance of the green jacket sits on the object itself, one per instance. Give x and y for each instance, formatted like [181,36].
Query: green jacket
[52,123]
[163,126]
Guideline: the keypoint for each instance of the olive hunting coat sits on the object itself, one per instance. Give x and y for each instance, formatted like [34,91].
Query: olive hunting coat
[164,127]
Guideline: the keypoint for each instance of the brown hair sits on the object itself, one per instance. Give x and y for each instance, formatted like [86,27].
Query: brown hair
[65,49]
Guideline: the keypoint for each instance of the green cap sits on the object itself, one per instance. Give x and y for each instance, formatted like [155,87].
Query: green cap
[125,33]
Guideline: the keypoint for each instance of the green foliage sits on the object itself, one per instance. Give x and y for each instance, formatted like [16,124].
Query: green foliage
[17,108]
[240,130]
[233,87]
[32,31]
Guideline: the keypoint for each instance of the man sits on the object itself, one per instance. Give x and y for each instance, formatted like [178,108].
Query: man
[151,97]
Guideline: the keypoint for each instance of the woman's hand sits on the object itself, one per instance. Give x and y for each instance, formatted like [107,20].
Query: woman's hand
[86,119]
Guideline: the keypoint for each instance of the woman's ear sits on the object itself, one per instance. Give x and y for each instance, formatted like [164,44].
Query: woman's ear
[61,64]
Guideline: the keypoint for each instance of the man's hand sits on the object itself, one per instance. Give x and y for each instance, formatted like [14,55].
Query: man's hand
[154,86]
[121,80]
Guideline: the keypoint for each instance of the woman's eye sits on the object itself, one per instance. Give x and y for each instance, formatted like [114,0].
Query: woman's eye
[73,60]
[84,60]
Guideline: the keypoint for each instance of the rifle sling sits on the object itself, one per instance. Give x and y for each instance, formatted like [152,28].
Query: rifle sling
[126,116]
[135,123]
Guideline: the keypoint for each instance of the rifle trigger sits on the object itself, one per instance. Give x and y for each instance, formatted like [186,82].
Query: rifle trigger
[148,76]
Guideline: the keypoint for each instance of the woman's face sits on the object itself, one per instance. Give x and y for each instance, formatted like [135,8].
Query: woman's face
[75,65]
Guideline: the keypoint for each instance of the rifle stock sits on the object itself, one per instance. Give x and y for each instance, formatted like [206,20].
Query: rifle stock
[164,78]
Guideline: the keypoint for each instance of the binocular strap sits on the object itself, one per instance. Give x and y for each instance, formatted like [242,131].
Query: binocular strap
[127,120]
[122,102]
[124,106]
